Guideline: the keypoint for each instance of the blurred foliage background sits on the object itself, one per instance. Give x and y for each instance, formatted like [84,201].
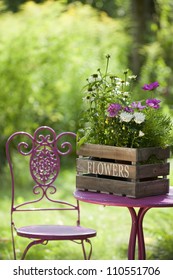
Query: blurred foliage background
[46,53]
[48,49]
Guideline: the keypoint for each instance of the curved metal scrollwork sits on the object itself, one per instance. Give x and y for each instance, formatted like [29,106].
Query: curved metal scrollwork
[66,146]
[45,160]
[23,147]
[44,165]
[44,154]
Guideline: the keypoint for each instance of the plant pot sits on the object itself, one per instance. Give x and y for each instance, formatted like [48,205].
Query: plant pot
[123,171]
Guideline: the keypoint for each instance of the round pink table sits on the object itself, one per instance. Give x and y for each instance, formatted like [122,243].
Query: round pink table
[143,205]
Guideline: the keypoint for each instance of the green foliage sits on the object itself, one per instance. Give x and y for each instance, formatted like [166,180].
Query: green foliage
[160,234]
[157,129]
[158,54]
[15,5]
[45,53]
[112,117]
[113,8]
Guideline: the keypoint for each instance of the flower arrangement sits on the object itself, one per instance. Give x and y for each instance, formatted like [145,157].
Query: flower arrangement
[111,116]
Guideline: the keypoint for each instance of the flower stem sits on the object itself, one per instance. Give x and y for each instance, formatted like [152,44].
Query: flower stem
[107,63]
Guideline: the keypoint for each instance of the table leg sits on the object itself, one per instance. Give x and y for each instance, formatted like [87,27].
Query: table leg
[140,233]
[137,231]
[133,234]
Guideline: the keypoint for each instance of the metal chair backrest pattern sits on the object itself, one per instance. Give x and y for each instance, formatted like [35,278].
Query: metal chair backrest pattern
[44,165]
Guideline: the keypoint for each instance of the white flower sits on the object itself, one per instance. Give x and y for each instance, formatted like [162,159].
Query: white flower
[117,79]
[133,77]
[139,117]
[117,91]
[141,133]
[126,117]
[94,78]
[119,83]
[126,93]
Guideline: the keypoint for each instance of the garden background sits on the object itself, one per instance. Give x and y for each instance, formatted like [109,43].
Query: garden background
[47,50]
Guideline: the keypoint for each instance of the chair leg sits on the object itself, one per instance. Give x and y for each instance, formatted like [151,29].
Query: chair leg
[35,242]
[13,241]
[84,250]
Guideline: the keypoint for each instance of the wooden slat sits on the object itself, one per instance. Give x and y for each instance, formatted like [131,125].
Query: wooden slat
[144,154]
[130,189]
[85,166]
[121,153]
[152,170]
[110,152]
[105,168]
[105,185]
[156,187]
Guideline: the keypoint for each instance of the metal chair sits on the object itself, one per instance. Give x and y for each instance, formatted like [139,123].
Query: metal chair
[43,155]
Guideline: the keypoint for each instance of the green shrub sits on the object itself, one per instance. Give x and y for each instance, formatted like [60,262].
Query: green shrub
[45,53]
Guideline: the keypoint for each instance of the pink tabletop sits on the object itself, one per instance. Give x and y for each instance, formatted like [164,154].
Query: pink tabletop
[115,200]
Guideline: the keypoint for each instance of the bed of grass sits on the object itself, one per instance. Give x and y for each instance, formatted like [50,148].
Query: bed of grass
[112,225]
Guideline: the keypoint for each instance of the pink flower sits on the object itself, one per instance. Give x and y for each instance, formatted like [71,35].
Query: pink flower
[154,103]
[150,86]
[128,109]
[138,105]
[113,109]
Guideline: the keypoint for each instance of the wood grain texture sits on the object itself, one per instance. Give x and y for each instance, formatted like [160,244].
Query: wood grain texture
[119,170]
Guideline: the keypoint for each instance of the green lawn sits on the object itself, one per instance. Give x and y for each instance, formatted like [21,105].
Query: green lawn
[112,225]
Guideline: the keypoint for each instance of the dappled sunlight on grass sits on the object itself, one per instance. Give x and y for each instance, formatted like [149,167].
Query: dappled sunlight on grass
[112,224]
[105,220]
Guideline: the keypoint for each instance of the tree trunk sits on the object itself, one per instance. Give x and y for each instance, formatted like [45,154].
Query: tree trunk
[142,14]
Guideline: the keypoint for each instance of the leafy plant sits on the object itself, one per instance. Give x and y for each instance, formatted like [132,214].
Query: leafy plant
[113,117]
[42,69]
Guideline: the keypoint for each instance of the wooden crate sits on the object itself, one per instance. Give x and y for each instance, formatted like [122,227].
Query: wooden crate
[123,171]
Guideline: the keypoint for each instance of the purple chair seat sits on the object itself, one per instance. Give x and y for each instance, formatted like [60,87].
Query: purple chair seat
[56,232]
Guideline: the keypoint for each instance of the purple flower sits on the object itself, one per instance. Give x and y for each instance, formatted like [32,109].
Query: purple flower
[137,105]
[113,109]
[154,103]
[150,86]
[128,109]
